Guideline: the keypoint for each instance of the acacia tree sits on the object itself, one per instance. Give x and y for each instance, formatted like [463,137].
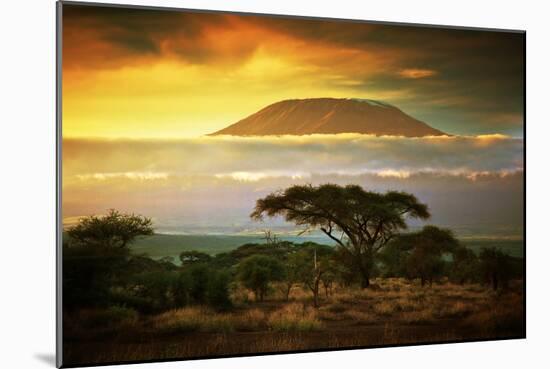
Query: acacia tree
[292,272]
[313,263]
[360,222]
[256,272]
[465,265]
[425,249]
[115,229]
[96,256]
[496,267]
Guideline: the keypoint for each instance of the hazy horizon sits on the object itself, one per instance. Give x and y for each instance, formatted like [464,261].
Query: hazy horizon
[210,184]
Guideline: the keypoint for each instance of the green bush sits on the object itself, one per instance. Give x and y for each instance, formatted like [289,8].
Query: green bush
[256,272]
[217,290]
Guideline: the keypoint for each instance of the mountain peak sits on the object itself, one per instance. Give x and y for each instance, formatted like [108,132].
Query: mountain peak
[330,116]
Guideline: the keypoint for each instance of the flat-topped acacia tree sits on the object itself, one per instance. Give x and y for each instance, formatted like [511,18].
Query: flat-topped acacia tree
[115,229]
[360,222]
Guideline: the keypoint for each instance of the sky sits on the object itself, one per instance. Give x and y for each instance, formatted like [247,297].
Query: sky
[143,88]
[195,73]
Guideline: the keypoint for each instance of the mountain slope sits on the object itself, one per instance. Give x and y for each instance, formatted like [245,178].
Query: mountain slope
[329,116]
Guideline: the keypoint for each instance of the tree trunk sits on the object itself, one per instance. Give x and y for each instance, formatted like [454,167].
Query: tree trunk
[316,294]
[315,299]
[365,276]
[314,287]
[287,292]
[328,289]
[365,264]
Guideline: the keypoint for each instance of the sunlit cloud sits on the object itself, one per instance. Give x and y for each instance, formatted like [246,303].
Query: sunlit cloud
[414,73]
[257,176]
[254,158]
[139,176]
[394,173]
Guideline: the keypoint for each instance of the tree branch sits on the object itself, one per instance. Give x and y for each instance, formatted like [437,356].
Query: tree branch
[329,233]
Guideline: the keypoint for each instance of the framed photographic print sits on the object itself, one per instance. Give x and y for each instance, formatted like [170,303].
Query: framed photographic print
[241,184]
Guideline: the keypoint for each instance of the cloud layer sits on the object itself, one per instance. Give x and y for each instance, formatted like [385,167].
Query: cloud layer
[213,182]
[295,156]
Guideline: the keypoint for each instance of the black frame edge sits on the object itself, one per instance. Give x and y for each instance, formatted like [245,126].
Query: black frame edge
[58,167]
[278,15]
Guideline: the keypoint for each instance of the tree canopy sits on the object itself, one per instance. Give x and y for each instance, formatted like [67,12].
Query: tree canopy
[112,230]
[424,250]
[257,271]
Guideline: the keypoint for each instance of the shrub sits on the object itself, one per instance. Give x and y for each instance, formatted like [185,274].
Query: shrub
[198,275]
[256,272]
[155,287]
[217,291]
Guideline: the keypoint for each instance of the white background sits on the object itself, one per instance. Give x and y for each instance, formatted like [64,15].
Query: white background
[27,193]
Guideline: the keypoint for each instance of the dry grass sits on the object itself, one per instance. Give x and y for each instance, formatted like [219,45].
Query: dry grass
[417,317]
[290,317]
[396,301]
[397,312]
[457,309]
[194,319]
[407,303]
[294,317]
[250,320]
[385,308]
[503,315]
[361,317]
[200,319]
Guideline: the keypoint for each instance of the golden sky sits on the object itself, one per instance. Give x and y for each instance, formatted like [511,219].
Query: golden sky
[162,74]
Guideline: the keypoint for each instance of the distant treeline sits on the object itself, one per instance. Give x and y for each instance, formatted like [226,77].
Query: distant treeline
[160,244]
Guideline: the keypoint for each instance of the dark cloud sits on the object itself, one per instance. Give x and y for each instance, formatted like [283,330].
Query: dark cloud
[478,75]
[130,33]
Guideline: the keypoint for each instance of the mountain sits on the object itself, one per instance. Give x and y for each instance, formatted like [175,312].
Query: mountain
[328,116]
